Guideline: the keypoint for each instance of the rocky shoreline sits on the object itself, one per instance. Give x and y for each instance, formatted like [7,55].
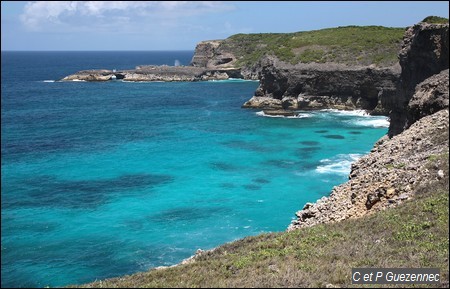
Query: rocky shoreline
[386,177]
[315,86]
[156,73]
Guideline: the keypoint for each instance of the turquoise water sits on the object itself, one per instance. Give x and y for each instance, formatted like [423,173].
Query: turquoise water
[106,179]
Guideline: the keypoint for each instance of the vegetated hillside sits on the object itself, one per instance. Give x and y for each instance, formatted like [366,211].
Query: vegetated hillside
[353,45]
[412,235]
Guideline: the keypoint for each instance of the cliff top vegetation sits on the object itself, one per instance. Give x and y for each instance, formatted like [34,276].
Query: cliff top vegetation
[435,20]
[353,45]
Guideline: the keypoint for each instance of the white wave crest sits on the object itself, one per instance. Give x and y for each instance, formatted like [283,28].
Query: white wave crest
[232,80]
[340,164]
[300,115]
[48,81]
[79,80]
[357,112]
[376,122]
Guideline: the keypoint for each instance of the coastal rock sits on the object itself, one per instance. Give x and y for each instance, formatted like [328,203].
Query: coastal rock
[430,96]
[385,177]
[156,73]
[425,52]
[263,102]
[321,86]
[212,55]
[280,112]
[91,75]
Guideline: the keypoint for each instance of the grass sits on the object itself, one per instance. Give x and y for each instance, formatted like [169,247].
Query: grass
[354,45]
[415,234]
[435,20]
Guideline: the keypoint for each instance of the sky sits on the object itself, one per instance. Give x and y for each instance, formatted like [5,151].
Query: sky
[180,25]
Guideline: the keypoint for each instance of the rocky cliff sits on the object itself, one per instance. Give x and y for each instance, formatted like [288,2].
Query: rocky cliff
[419,133]
[210,54]
[425,52]
[328,85]
[385,177]
[243,56]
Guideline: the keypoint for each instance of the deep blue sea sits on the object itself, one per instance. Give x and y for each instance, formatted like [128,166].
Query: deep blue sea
[105,179]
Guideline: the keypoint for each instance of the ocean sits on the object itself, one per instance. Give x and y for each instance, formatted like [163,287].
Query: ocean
[104,179]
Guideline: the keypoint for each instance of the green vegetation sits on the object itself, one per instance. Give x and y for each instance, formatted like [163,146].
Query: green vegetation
[435,20]
[355,45]
[414,234]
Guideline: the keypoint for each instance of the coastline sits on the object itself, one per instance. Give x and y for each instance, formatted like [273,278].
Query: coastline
[396,166]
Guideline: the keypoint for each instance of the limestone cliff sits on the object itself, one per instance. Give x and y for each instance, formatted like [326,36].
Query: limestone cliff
[210,54]
[328,85]
[425,52]
[419,133]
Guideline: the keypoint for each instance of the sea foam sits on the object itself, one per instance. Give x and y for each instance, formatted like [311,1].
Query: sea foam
[357,112]
[339,164]
[376,122]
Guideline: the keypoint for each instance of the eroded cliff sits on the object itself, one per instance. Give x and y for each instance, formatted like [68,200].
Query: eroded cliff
[328,85]
[425,52]
[419,132]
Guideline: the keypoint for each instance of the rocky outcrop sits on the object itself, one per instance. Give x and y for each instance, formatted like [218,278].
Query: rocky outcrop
[385,177]
[93,75]
[156,73]
[425,52]
[431,96]
[329,85]
[210,54]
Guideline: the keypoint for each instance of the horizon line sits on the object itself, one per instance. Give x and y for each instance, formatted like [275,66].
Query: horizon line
[154,50]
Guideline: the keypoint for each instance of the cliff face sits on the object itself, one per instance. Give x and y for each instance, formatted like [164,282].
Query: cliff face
[425,52]
[330,85]
[210,54]
[419,133]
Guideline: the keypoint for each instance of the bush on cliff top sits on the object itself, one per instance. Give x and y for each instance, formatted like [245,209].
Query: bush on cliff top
[435,20]
[354,45]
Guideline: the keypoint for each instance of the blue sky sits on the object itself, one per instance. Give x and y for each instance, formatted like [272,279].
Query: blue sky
[179,25]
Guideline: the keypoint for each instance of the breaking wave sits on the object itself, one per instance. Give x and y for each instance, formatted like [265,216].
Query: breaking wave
[339,164]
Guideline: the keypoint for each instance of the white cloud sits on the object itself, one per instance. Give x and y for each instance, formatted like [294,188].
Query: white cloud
[48,15]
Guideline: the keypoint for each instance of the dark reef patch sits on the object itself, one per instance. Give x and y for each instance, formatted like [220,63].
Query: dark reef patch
[334,136]
[355,132]
[228,185]
[310,143]
[306,152]
[321,131]
[188,214]
[252,187]
[307,165]
[308,149]
[261,181]
[244,145]
[279,163]
[221,166]
[50,191]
